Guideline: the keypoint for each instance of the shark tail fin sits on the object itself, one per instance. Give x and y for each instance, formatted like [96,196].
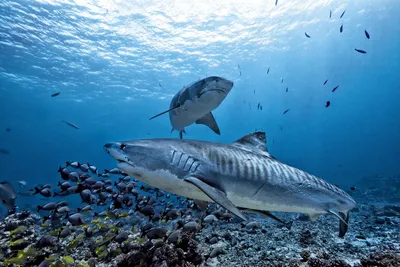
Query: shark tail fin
[343,224]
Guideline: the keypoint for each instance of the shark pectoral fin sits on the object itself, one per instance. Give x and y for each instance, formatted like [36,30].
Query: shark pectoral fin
[203,205]
[218,196]
[159,114]
[209,121]
[343,224]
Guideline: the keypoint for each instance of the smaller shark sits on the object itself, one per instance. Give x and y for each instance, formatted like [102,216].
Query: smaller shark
[194,103]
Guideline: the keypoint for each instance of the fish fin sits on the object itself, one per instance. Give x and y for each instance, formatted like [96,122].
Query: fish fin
[343,224]
[288,225]
[254,142]
[209,121]
[203,205]
[215,194]
[314,216]
[339,216]
[162,113]
[9,188]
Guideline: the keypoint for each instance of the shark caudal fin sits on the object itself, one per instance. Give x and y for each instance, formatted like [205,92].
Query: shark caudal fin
[343,224]
[343,221]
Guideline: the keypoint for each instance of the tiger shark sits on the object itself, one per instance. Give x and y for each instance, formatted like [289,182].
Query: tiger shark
[241,176]
[194,103]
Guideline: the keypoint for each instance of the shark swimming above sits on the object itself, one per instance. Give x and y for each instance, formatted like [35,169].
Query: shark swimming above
[240,177]
[194,103]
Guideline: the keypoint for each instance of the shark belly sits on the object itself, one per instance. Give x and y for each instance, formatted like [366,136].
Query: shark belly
[165,180]
[193,110]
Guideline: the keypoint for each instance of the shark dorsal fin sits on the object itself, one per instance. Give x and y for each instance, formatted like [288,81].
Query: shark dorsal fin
[253,141]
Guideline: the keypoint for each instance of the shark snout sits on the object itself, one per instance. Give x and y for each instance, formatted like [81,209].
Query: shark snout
[116,150]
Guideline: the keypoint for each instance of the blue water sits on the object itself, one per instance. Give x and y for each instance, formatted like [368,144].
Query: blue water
[107,59]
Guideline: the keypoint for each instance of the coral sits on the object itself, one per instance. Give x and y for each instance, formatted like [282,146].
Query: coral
[381,259]
[161,254]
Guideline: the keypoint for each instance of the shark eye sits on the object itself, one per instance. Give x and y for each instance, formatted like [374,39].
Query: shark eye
[122,146]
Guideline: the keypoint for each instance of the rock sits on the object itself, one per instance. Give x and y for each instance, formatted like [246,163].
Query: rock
[216,251]
[381,259]
[213,240]
[210,218]
[192,227]
[379,220]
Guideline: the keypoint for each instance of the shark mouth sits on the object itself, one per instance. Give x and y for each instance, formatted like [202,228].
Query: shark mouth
[220,90]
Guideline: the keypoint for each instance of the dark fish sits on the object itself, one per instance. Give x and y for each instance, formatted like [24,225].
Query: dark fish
[70,124]
[55,94]
[254,91]
[258,106]
[4,151]
[45,241]
[341,28]
[366,34]
[330,13]
[276,2]
[282,80]
[334,89]
[286,111]
[268,70]
[308,36]
[7,194]
[9,129]
[360,51]
[159,84]
[327,104]
[325,82]
[341,16]
[287,89]
[352,188]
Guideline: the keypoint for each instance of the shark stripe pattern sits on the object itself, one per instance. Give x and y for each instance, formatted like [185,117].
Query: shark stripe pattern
[241,175]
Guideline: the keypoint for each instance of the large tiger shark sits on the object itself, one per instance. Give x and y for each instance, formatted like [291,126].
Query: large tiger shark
[239,176]
[194,103]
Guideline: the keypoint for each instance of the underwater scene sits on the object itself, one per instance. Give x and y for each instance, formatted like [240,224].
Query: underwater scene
[199,133]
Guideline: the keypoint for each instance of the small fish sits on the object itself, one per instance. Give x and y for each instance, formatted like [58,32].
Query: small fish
[330,13]
[334,89]
[341,16]
[55,94]
[76,219]
[254,91]
[22,183]
[308,36]
[352,188]
[4,151]
[258,106]
[327,104]
[159,84]
[8,130]
[367,34]
[268,70]
[341,28]
[7,194]
[287,89]
[276,2]
[360,51]
[286,111]
[325,82]
[281,80]
[70,124]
